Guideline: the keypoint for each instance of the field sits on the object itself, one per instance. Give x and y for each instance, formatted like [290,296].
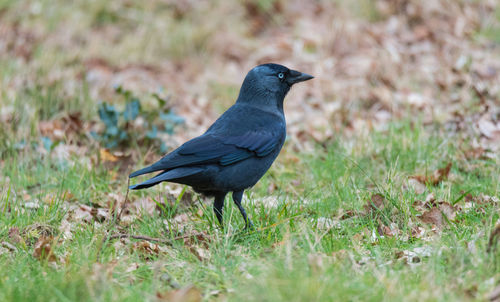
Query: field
[387,188]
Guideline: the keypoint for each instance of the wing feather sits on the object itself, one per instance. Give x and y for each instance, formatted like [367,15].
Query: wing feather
[210,148]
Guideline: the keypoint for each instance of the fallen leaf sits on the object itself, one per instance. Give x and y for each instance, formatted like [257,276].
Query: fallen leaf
[430,199]
[437,177]
[448,210]
[433,216]
[146,249]
[106,156]
[377,202]
[436,215]
[346,214]
[389,231]
[123,161]
[200,252]
[475,153]
[88,214]
[43,249]
[417,232]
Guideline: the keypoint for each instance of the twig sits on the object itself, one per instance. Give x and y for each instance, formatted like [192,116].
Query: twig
[125,201]
[147,238]
[140,237]
[115,218]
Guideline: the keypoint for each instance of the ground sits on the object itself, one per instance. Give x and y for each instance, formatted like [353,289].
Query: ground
[387,187]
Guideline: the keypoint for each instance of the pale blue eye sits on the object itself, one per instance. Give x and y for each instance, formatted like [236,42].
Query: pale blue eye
[281,75]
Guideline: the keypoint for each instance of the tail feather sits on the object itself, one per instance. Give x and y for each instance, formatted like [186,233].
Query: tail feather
[142,171]
[164,176]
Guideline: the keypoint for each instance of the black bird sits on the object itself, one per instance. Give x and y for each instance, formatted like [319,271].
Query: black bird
[239,147]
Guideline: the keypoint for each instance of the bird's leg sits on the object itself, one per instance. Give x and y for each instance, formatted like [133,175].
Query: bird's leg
[237,197]
[218,205]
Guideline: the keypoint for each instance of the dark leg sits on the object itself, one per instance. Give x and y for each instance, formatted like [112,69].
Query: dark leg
[218,205]
[237,196]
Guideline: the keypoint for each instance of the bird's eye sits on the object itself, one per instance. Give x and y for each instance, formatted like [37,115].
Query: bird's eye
[281,75]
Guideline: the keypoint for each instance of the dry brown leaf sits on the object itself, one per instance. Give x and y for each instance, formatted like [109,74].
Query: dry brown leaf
[358,237]
[106,156]
[377,202]
[384,230]
[186,294]
[437,177]
[430,200]
[117,158]
[417,232]
[88,214]
[435,214]
[346,214]
[147,249]
[43,249]
[448,210]
[420,205]
[198,245]
[64,127]
[389,231]
[475,153]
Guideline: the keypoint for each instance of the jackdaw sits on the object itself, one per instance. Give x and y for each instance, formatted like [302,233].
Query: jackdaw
[236,151]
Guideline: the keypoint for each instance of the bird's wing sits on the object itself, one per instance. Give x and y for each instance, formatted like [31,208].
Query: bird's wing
[259,142]
[231,149]
[217,149]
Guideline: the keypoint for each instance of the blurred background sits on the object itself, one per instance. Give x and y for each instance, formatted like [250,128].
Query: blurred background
[85,75]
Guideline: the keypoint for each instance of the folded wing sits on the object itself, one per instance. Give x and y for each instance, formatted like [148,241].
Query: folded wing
[214,149]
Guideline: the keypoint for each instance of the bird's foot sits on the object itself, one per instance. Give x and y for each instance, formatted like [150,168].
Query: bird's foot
[249,226]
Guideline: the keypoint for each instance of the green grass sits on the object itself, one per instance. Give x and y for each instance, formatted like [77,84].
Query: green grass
[277,261]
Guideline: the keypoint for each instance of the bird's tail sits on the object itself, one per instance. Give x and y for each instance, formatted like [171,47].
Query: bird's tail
[165,176]
[148,169]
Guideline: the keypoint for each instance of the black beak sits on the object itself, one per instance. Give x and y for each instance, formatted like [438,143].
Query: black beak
[296,76]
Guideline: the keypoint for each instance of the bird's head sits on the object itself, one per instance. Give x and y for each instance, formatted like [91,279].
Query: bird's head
[270,82]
